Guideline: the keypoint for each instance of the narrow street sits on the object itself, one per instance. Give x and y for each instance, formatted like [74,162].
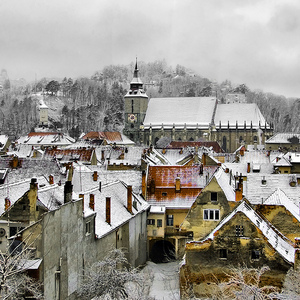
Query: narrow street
[165,284]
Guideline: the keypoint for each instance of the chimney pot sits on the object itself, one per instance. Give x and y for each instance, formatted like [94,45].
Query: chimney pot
[248,167]
[51,179]
[129,198]
[92,202]
[107,219]
[95,176]
[7,203]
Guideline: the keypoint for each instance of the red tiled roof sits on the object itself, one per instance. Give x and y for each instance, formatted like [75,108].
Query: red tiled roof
[41,133]
[113,136]
[165,176]
[68,154]
[215,145]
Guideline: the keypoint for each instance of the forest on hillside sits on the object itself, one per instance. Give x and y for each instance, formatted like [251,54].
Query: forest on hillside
[96,103]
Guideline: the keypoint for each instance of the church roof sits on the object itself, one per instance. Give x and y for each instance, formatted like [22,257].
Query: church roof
[180,111]
[239,113]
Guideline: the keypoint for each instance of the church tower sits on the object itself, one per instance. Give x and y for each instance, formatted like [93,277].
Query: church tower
[136,104]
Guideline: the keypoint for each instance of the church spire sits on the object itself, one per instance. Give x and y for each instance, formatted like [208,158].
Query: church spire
[136,83]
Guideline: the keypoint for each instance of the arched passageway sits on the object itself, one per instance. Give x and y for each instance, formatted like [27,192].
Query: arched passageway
[162,251]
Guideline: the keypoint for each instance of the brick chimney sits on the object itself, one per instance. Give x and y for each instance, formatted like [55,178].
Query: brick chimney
[7,203]
[144,184]
[95,176]
[68,189]
[107,211]
[238,195]
[92,202]
[248,167]
[242,151]
[239,189]
[129,198]
[204,159]
[32,196]
[51,179]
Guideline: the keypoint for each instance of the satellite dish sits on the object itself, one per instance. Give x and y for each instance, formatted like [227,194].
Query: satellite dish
[2,232]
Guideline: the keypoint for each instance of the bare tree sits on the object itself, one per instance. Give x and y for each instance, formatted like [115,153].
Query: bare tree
[243,284]
[15,283]
[113,278]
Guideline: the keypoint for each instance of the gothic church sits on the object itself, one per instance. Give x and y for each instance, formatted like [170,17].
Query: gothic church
[192,118]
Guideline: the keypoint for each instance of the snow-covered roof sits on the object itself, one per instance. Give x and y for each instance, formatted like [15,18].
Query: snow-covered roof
[181,111]
[282,162]
[260,186]
[46,139]
[293,157]
[14,191]
[83,177]
[278,241]
[157,209]
[117,192]
[236,114]
[223,180]
[258,160]
[131,155]
[280,198]
[282,138]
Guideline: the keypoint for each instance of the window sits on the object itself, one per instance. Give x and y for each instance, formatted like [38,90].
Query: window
[170,220]
[223,253]
[255,254]
[164,194]
[151,221]
[88,228]
[255,139]
[241,139]
[159,222]
[239,230]
[211,214]
[213,196]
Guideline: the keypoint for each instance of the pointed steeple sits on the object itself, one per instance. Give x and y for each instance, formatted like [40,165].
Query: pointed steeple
[136,83]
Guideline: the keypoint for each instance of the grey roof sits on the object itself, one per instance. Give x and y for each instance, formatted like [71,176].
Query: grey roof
[239,113]
[282,138]
[117,191]
[189,111]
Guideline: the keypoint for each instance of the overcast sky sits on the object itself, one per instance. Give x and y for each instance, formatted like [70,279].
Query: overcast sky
[256,42]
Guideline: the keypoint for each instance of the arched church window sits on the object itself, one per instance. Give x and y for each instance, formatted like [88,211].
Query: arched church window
[224,145]
[255,139]
[191,139]
[131,136]
[156,140]
[241,139]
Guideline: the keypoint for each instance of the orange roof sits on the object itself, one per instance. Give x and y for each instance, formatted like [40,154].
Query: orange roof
[113,136]
[42,133]
[70,154]
[165,176]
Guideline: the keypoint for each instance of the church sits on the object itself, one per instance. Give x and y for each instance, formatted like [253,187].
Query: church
[231,124]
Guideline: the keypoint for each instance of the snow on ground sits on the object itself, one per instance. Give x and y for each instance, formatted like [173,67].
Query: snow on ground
[165,284]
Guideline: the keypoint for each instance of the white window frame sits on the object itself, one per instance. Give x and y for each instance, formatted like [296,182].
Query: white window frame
[211,215]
